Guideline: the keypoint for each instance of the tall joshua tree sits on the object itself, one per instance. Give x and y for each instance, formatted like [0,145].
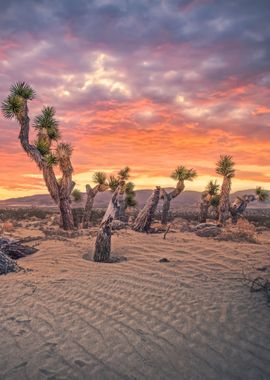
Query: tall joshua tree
[210,193]
[225,168]
[239,205]
[180,174]
[42,152]
[99,178]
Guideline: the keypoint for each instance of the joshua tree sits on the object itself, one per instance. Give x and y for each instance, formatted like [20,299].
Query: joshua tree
[16,106]
[180,174]
[225,167]
[146,215]
[103,242]
[240,204]
[208,198]
[99,178]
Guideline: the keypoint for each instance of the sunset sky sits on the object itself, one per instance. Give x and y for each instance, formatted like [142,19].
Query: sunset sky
[148,84]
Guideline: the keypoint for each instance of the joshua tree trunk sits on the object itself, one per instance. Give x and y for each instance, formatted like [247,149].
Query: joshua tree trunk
[90,196]
[66,213]
[224,203]
[204,206]
[167,197]
[146,215]
[113,210]
[103,242]
[238,207]
[121,212]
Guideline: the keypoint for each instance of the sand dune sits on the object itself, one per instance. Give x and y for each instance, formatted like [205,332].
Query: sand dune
[191,318]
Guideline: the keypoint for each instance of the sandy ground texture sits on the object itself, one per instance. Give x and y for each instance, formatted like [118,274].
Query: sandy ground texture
[190,318]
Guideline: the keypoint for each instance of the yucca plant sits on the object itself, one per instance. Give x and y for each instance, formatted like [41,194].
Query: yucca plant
[209,197]
[225,168]
[261,194]
[16,106]
[180,174]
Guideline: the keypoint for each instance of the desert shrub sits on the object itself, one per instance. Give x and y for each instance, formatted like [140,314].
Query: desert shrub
[243,231]
[23,213]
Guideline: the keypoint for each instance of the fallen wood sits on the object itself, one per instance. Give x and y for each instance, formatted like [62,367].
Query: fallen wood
[7,265]
[14,249]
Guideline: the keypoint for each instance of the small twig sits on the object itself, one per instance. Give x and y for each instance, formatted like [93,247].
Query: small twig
[167,230]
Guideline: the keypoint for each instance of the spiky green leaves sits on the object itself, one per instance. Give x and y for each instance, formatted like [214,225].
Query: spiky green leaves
[261,194]
[43,146]
[11,106]
[113,183]
[64,150]
[76,195]
[23,90]
[51,159]
[181,173]
[212,188]
[46,121]
[130,200]
[124,174]
[225,166]
[99,178]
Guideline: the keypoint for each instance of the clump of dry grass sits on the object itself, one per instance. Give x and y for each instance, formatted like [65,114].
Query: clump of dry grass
[243,231]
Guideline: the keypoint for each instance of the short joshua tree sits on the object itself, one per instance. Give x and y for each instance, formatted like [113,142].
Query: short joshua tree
[100,181]
[239,205]
[146,215]
[47,151]
[180,174]
[208,198]
[225,168]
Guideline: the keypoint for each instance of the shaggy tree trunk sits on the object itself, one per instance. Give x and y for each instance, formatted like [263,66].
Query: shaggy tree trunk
[146,215]
[113,210]
[121,212]
[204,206]
[224,203]
[103,242]
[167,197]
[66,214]
[7,264]
[165,207]
[90,196]
[238,207]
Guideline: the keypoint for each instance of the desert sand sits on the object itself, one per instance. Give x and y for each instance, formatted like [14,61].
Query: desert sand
[190,318]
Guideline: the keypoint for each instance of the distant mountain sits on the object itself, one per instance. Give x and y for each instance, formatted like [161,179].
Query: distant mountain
[187,198]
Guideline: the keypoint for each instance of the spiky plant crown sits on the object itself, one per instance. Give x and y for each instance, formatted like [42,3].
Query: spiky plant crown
[225,166]
[181,173]
[261,194]
[63,153]
[99,178]
[113,183]
[124,174]
[11,106]
[215,200]
[46,122]
[129,188]
[43,146]
[76,195]
[51,159]
[23,90]
[212,187]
